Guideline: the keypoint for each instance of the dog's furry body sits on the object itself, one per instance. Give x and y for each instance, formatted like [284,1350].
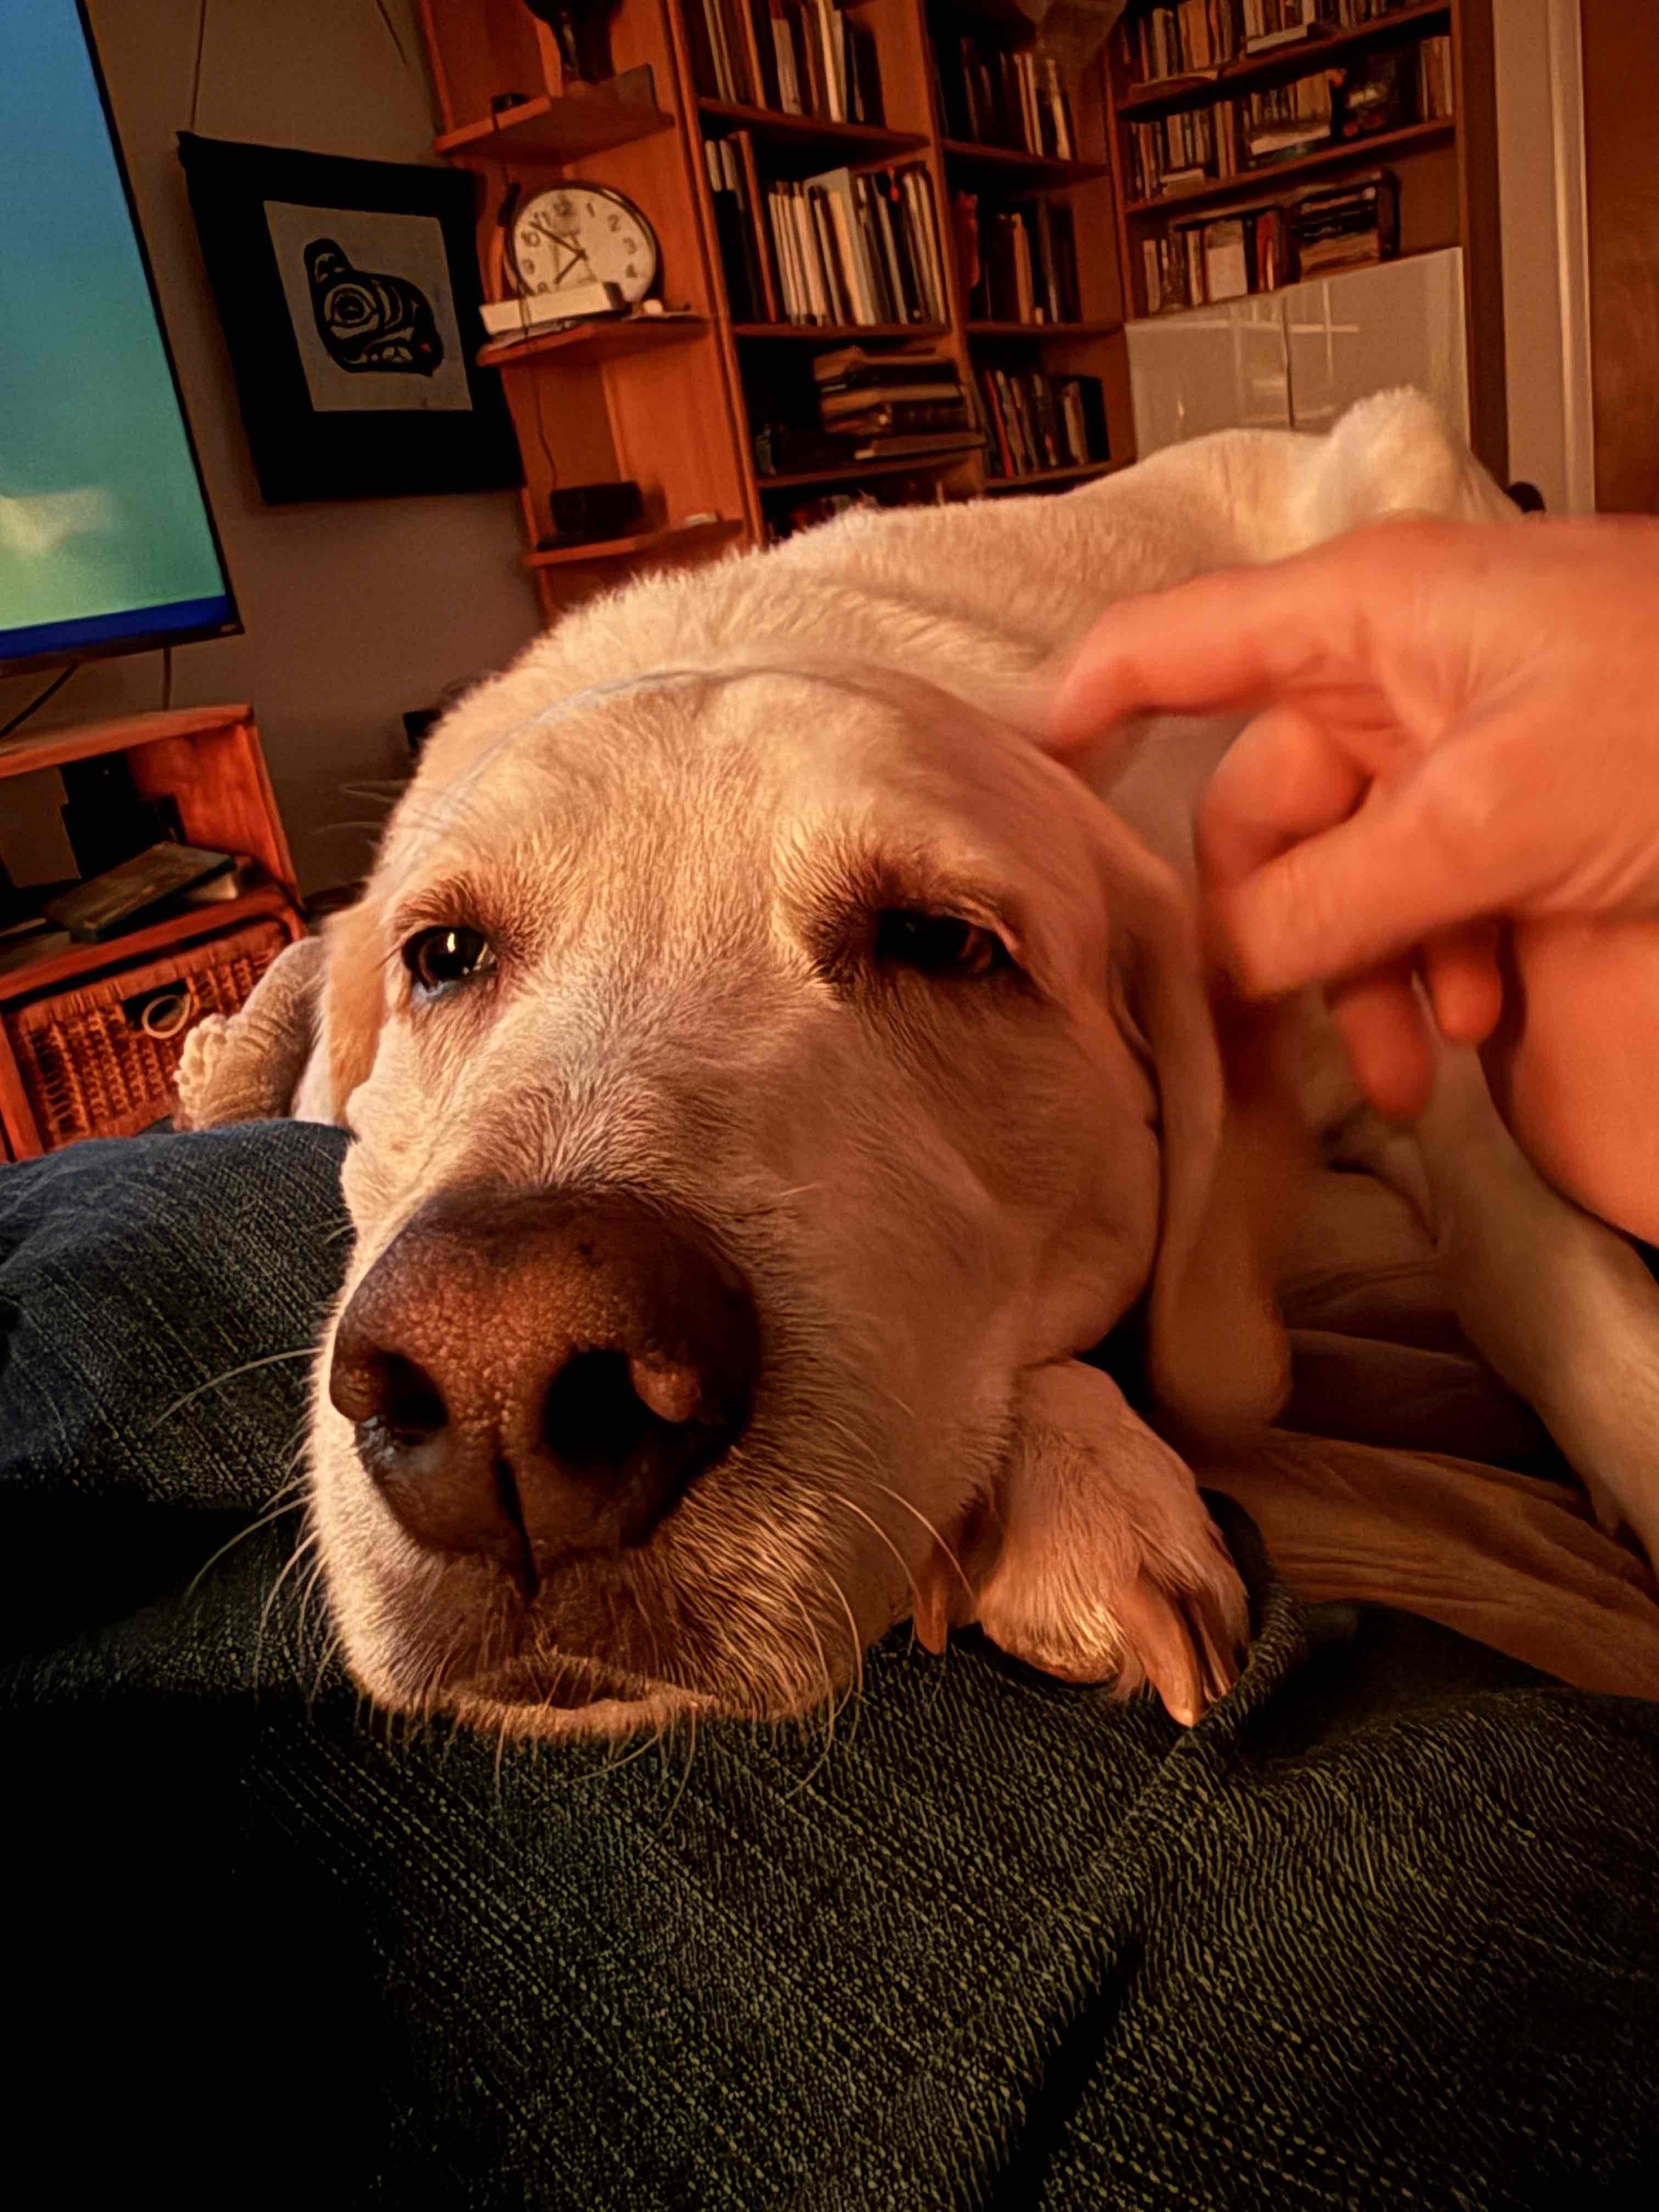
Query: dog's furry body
[675,818]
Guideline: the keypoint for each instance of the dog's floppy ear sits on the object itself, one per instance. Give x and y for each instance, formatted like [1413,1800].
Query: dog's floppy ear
[1230,1149]
[353,1003]
[301,1043]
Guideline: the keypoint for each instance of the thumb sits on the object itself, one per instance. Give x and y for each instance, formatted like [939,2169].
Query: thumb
[1403,867]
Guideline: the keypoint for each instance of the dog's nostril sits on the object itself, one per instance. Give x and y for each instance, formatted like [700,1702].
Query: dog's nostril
[593,1416]
[411,1406]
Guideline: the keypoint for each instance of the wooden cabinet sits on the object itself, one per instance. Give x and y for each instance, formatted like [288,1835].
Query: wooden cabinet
[90,1034]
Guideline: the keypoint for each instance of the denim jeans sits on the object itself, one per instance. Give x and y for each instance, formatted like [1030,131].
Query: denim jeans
[1384,1930]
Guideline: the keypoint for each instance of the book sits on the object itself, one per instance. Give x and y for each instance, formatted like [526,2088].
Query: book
[904,417]
[1226,265]
[124,896]
[1036,422]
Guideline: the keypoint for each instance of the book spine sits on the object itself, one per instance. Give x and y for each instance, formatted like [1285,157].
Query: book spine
[770,294]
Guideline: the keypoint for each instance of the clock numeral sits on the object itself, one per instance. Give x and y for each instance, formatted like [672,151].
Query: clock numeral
[615,224]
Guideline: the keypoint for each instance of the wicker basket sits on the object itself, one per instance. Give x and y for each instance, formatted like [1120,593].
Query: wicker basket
[99,1062]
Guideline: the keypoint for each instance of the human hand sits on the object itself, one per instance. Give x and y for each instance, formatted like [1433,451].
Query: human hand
[1454,726]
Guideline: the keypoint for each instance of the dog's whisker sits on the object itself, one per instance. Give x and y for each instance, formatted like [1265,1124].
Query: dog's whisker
[871,1523]
[267,1519]
[899,1498]
[855,1643]
[690,1753]
[230,1375]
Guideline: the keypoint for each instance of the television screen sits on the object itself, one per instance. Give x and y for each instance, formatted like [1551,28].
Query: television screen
[106,545]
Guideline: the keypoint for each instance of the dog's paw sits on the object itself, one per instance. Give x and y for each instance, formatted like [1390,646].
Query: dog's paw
[203,1047]
[1108,1567]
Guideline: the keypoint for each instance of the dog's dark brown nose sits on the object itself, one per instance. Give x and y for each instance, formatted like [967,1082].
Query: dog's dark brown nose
[543,1373]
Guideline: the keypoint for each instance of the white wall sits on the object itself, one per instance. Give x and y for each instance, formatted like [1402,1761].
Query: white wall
[354,610]
[1540,161]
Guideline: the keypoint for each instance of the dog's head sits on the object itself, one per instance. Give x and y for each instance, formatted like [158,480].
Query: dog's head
[752,1073]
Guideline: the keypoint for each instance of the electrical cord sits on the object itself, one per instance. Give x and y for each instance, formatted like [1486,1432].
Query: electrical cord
[39,700]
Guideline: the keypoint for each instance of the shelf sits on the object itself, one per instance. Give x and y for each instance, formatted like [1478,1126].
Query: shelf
[804,129]
[677,538]
[598,341]
[51,748]
[967,154]
[997,487]
[1296,283]
[1302,59]
[855,472]
[839,333]
[46,973]
[1263,186]
[1045,331]
[543,128]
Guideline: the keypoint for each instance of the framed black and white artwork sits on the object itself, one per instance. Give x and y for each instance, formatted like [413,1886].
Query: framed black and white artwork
[350,292]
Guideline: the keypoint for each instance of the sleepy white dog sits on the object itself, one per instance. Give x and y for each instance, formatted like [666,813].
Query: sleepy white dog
[768,1072]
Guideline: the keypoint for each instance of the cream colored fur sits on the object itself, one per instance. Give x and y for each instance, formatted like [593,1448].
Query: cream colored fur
[673,815]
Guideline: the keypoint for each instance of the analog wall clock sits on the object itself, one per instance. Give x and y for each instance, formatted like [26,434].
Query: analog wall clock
[577,233]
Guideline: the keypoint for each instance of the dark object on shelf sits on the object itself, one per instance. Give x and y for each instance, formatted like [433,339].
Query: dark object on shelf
[123,896]
[371,390]
[583,514]
[503,103]
[1526,496]
[105,819]
[1378,92]
[783,449]
[1344,225]
[582,29]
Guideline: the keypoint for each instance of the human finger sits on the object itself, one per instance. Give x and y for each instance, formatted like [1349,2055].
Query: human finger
[1227,638]
[1284,778]
[1381,1021]
[1461,974]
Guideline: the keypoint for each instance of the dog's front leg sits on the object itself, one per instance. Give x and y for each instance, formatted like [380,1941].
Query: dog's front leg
[1109,1568]
[1558,1303]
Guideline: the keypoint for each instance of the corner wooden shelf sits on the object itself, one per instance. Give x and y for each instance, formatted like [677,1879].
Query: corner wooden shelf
[559,129]
[675,406]
[1043,330]
[900,465]
[1253,187]
[1044,168]
[840,333]
[599,341]
[867,138]
[1251,72]
[676,538]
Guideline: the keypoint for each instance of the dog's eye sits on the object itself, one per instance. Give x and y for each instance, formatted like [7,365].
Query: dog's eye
[437,958]
[937,943]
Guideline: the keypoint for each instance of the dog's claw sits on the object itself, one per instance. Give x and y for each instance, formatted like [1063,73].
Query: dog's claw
[1109,1569]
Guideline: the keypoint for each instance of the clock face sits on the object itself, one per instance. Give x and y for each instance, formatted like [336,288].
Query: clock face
[584,234]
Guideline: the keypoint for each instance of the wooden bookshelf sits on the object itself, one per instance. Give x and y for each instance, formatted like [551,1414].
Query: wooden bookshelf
[674,402]
[1446,168]
[1259,187]
[1253,71]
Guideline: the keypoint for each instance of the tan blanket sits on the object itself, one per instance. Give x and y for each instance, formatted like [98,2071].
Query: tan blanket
[1509,1554]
